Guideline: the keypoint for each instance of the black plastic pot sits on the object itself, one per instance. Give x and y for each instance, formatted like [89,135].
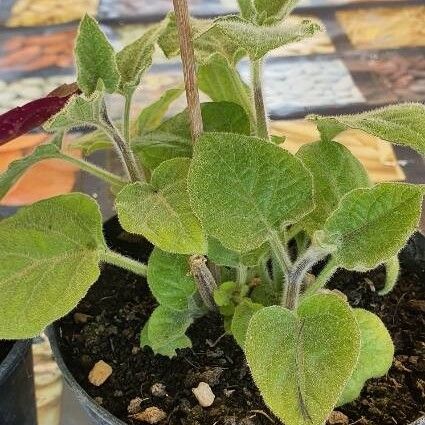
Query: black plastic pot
[413,254]
[17,394]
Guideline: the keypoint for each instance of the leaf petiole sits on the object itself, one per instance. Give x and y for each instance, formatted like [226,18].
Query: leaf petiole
[112,257]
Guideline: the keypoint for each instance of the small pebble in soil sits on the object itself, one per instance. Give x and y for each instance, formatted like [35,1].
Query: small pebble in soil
[100,373]
[151,415]
[134,406]
[158,390]
[337,418]
[204,394]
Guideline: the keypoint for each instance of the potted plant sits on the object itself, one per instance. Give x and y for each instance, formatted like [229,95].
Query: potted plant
[236,237]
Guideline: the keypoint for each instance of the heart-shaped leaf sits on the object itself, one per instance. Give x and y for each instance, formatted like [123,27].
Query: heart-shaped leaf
[301,360]
[400,124]
[376,354]
[170,281]
[95,58]
[258,40]
[372,225]
[49,257]
[336,171]
[242,188]
[161,211]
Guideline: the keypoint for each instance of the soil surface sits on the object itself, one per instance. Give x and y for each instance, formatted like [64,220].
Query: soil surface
[5,347]
[119,304]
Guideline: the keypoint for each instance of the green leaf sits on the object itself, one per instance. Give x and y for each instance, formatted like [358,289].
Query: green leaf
[336,171]
[242,188]
[258,40]
[301,360]
[170,281]
[220,80]
[223,295]
[243,314]
[372,225]
[161,211]
[151,116]
[400,124]
[49,257]
[247,9]
[376,354]
[165,331]
[92,142]
[79,111]
[277,9]
[136,58]
[17,168]
[95,58]
[223,256]
[392,267]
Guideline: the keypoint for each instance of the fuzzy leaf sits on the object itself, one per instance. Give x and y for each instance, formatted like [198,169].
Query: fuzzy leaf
[136,58]
[165,331]
[92,142]
[259,40]
[79,111]
[336,171]
[277,9]
[372,225]
[243,314]
[376,354]
[221,81]
[400,124]
[170,281]
[247,9]
[160,210]
[301,360]
[95,58]
[392,268]
[150,117]
[49,259]
[265,188]
[223,295]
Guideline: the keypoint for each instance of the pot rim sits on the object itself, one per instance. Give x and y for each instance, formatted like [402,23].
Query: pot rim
[82,396]
[13,359]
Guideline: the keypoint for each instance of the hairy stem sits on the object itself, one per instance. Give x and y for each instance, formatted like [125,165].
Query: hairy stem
[112,257]
[126,154]
[204,280]
[94,170]
[189,68]
[126,119]
[260,109]
[241,275]
[323,278]
[280,254]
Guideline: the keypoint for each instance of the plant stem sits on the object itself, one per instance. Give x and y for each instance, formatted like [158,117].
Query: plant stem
[322,279]
[126,154]
[241,275]
[112,257]
[127,110]
[260,110]
[189,68]
[94,170]
[280,254]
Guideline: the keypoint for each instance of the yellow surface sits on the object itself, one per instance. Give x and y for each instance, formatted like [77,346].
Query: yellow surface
[29,13]
[381,28]
[375,154]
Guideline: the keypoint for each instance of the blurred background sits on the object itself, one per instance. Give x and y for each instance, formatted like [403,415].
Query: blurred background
[371,54]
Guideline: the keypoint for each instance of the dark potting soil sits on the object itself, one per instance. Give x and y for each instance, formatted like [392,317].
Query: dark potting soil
[119,304]
[5,347]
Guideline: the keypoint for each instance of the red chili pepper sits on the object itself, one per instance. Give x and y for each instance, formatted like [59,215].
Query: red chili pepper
[22,119]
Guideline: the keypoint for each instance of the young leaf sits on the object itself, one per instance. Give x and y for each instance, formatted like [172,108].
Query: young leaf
[265,186]
[336,171]
[95,58]
[277,9]
[223,295]
[392,267]
[247,9]
[160,210]
[170,281]
[92,142]
[400,124]
[301,360]
[372,225]
[136,58]
[49,257]
[376,354]
[220,80]
[243,314]
[165,331]
[257,40]
[80,111]
[150,117]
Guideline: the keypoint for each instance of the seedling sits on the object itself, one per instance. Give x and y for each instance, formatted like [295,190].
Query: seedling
[237,222]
